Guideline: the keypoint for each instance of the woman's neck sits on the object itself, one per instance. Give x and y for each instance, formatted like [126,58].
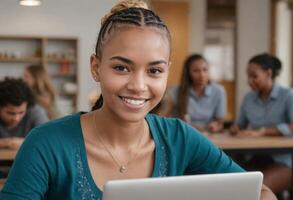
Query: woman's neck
[199,89]
[265,93]
[116,132]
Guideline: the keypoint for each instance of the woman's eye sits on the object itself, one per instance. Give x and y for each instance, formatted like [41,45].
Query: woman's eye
[155,71]
[121,68]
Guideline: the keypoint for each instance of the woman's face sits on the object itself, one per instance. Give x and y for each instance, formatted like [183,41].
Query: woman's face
[258,78]
[28,78]
[132,72]
[199,72]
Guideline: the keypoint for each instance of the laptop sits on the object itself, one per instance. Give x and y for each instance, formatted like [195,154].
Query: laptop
[228,186]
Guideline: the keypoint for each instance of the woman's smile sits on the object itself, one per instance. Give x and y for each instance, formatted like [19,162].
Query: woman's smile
[134,103]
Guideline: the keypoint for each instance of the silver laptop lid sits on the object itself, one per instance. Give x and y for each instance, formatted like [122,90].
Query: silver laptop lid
[228,186]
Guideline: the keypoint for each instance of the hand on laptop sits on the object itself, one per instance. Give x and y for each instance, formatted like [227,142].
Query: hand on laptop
[267,194]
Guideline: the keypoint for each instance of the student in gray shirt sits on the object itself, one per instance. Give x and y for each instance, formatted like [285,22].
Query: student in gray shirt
[267,110]
[18,112]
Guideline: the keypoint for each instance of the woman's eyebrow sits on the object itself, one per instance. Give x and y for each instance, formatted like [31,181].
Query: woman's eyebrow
[158,62]
[128,61]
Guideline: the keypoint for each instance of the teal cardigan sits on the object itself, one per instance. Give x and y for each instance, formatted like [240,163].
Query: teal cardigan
[52,162]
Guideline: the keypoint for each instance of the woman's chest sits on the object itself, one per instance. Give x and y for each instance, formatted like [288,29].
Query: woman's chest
[264,114]
[105,165]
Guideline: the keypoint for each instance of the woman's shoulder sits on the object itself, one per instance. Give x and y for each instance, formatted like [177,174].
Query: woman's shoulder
[284,93]
[161,122]
[216,86]
[170,128]
[283,90]
[64,128]
[36,109]
[177,135]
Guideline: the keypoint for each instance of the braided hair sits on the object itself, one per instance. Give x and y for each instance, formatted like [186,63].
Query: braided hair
[127,13]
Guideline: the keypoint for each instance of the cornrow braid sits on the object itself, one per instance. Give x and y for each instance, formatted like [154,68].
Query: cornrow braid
[134,16]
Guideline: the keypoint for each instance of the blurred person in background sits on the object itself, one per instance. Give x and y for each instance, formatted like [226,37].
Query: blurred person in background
[39,81]
[18,112]
[197,100]
[267,110]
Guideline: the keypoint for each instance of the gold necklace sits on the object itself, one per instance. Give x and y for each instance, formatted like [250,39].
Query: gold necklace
[122,168]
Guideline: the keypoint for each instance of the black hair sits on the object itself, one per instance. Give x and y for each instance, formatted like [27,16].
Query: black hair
[185,83]
[134,16]
[131,16]
[15,92]
[267,61]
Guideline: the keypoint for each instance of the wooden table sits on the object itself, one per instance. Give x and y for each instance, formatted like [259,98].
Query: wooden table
[7,156]
[276,144]
[271,145]
[268,145]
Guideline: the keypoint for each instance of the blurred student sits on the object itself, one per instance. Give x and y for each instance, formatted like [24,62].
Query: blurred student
[39,81]
[18,112]
[197,100]
[267,110]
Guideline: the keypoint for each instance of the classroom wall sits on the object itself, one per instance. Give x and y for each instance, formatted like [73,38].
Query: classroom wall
[67,18]
[197,24]
[253,37]
[284,42]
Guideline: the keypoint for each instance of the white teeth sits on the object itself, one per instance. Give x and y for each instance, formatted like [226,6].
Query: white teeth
[134,102]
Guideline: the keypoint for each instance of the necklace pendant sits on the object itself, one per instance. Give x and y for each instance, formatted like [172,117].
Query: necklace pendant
[122,169]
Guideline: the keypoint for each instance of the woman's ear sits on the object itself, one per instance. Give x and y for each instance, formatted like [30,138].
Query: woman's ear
[95,64]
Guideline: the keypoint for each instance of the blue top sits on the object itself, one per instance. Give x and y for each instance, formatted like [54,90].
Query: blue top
[276,112]
[203,109]
[52,162]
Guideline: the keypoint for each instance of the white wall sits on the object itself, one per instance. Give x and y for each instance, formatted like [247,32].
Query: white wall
[197,18]
[74,18]
[253,37]
[284,42]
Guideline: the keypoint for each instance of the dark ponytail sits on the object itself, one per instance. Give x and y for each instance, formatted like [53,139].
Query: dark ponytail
[98,103]
[267,61]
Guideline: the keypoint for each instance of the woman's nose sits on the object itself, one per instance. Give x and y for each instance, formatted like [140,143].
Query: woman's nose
[137,83]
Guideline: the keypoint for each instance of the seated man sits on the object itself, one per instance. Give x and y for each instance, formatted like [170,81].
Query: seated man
[18,112]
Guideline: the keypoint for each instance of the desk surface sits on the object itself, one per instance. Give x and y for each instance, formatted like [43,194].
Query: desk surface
[7,154]
[223,141]
[229,142]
